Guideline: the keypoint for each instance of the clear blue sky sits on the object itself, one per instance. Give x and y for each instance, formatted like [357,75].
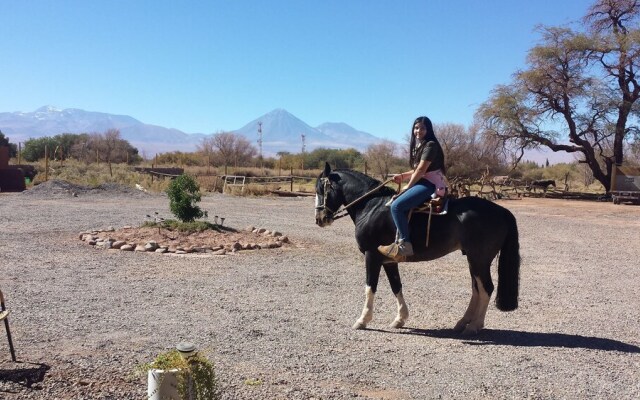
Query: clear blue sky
[206,66]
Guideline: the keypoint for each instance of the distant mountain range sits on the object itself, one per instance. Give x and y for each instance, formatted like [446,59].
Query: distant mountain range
[281,131]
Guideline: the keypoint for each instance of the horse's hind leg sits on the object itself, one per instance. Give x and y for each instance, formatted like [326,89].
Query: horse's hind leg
[396,286]
[482,288]
[373,264]
[471,309]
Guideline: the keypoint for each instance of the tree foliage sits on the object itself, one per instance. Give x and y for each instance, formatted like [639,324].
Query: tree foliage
[579,86]
[338,158]
[105,147]
[381,157]
[468,152]
[4,141]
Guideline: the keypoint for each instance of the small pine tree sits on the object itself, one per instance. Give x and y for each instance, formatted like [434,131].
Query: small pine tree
[184,193]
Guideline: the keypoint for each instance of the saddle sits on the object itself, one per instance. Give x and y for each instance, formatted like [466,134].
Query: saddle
[437,206]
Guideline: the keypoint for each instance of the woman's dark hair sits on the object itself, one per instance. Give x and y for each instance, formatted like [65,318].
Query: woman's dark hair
[429,137]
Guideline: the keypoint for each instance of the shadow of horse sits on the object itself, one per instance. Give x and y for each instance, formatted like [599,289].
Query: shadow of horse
[25,376]
[522,339]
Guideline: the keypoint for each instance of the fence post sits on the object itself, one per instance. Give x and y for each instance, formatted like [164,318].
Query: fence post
[46,163]
[19,153]
[292,183]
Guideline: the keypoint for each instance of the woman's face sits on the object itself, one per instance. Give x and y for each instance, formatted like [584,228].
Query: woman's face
[419,131]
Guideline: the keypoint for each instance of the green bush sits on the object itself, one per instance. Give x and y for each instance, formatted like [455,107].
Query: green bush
[184,193]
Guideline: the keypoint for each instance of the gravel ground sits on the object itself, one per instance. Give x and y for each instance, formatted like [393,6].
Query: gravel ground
[83,318]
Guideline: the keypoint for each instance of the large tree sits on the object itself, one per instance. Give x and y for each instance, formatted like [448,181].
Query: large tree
[381,157]
[580,86]
[229,148]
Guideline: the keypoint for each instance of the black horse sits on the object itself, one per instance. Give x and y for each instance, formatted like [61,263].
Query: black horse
[479,228]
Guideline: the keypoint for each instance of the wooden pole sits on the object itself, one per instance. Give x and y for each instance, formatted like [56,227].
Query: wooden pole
[280,166]
[291,184]
[97,157]
[46,163]
[365,168]
[19,153]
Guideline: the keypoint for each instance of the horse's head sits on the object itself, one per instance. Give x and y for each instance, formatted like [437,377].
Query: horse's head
[328,196]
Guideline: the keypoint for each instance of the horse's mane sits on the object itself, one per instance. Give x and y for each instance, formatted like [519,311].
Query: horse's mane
[370,182]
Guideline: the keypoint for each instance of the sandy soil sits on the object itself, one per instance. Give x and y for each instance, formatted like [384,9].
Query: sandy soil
[277,322]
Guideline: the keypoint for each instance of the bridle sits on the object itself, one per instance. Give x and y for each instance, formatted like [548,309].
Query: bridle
[326,185]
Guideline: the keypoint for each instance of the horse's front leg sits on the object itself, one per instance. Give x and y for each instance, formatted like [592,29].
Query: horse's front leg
[393,274]
[373,263]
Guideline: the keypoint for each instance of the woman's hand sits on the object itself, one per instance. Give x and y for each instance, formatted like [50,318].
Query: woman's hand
[398,178]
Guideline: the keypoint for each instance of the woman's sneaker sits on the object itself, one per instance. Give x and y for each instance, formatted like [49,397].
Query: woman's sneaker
[397,249]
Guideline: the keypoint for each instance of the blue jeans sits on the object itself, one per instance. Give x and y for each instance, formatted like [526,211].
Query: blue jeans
[413,197]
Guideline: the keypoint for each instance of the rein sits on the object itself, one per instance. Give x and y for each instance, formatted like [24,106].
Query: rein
[344,209]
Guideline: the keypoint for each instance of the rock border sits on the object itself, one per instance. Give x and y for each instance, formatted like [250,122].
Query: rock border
[102,239]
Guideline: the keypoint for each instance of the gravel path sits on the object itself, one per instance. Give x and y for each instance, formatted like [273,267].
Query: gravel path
[85,317]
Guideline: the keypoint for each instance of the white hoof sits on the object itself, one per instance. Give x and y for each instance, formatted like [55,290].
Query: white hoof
[359,325]
[398,323]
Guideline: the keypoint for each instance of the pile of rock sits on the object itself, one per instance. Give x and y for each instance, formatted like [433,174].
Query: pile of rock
[104,239]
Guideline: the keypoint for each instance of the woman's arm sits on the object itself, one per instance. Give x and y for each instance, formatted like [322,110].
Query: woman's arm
[417,174]
[403,176]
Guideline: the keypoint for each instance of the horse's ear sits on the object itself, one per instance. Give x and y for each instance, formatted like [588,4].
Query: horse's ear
[327,169]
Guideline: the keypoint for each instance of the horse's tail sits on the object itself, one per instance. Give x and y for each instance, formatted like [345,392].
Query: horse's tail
[509,269]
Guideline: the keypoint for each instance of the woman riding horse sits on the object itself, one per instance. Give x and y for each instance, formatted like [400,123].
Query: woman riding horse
[426,177]
[477,227]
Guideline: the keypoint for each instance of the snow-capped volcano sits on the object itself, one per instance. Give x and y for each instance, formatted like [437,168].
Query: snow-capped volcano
[283,131]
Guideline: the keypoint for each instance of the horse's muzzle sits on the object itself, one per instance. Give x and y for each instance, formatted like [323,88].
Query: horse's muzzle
[323,218]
